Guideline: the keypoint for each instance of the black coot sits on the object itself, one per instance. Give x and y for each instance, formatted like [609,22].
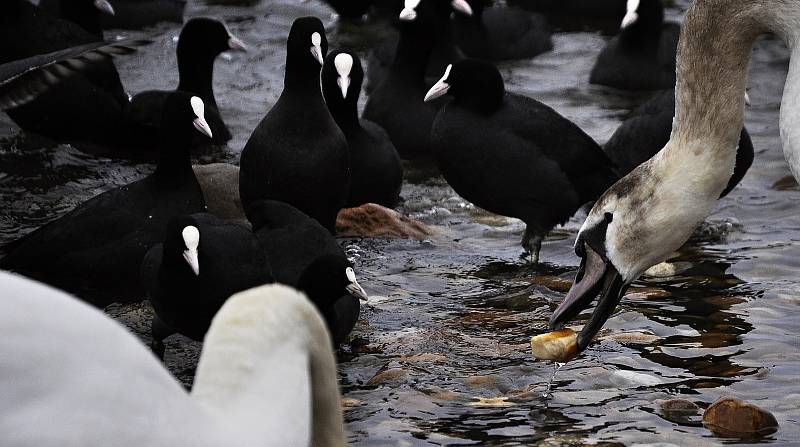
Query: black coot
[376,174]
[642,56]
[95,250]
[85,107]
[200,42]
[501,33]
[513,155]
[444,50]
[646,131]
[304,255]
[577,15]
[396,103]
[297,153]
[200,264]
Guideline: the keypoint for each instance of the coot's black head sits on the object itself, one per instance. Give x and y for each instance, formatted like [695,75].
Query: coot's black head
[329,277]
[473,84]
[642,17]
[206,37]
[182,247]
[182,115]
[306,47]
[273,214]
[86,13]
[342,76]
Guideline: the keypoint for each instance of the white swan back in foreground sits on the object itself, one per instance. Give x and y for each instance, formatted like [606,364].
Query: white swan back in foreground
[70,375]
[652,211]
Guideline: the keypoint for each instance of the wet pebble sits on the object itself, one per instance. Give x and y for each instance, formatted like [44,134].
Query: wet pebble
[388,376]
[633,379]
[679,411]
[729,417]
[553,283]
[348,403]
[632,338]
[426,357]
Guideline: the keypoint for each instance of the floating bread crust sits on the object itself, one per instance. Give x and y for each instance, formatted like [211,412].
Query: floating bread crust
[731,417]
[559,346]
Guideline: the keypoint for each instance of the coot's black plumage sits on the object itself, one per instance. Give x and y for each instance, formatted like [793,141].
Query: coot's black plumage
[501,33]
[200,264]
[351,9]
[444,50]
[396,103]
[84,107]
[95,250]
[200,42]
[304,255]
[513,155]
[642,56]
[376,173]
[131,14]
[138,14]
[647,129]
[577,15]
[297,153]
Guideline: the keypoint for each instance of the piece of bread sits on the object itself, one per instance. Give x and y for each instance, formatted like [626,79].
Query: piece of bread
[558,346]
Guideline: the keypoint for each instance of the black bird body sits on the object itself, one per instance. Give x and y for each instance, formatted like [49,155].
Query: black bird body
[376,174]
[302,255]
[297,153]
[138,14]
[85,107]
[501,33]
[230,259]
[647,130]
[513,155]
[396,103]
[577,15]
[642,56]
[95,250]
[200,42]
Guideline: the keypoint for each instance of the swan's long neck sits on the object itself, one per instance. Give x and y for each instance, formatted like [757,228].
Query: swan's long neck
[268,369]
[713,56]
[789,29]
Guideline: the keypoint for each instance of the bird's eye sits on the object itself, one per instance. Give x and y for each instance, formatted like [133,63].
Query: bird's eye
[609,217]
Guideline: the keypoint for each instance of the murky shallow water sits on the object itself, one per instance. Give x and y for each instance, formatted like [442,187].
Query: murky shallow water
[728,324]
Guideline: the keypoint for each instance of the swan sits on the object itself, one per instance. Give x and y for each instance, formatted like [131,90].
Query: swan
[70,375]
[652,211]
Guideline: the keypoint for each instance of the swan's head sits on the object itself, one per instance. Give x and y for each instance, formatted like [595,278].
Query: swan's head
[637,223]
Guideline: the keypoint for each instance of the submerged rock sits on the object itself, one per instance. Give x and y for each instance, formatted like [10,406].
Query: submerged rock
[733,418]
[680,411]
[371,220]
[388,376]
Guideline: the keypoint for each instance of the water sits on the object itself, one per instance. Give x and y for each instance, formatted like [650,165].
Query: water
[447,332]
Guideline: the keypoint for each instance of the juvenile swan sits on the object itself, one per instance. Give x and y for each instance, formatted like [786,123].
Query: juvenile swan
[652,211]
[267,376]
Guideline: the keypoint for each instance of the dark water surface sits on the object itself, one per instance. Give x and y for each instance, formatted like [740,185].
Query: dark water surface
[727,324]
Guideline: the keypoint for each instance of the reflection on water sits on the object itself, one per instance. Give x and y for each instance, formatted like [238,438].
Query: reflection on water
[441,355]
